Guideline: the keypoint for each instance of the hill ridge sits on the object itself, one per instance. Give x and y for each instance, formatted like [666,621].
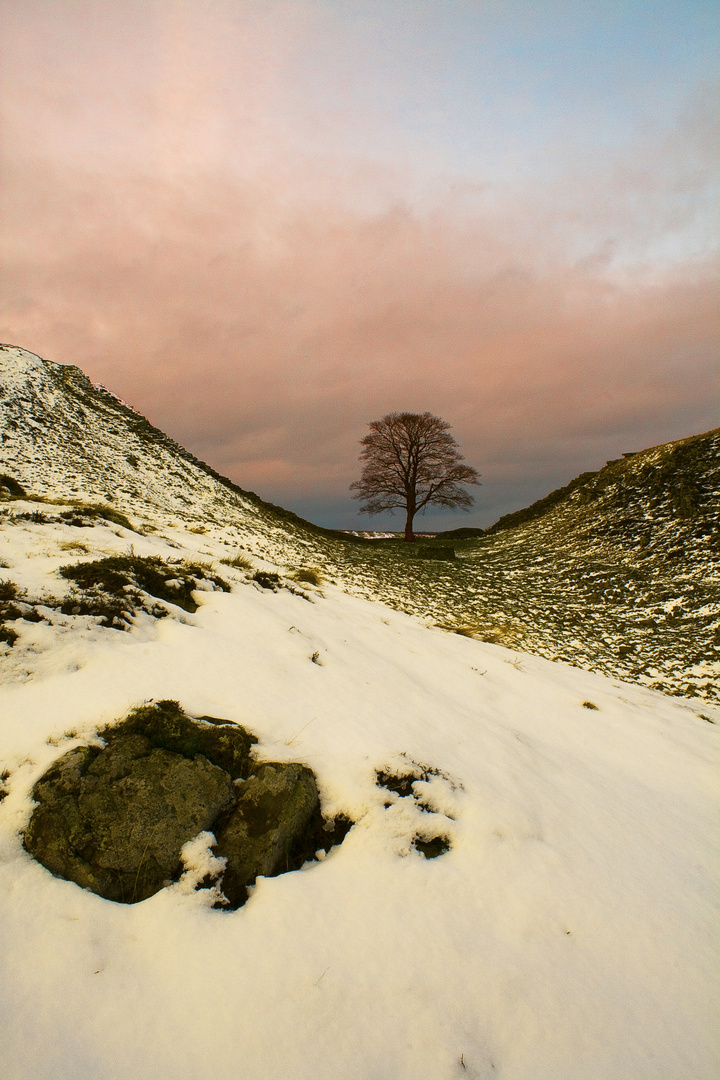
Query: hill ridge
[588,482]
[621,575]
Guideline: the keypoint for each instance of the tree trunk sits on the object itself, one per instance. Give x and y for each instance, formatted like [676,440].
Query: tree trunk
[409,534]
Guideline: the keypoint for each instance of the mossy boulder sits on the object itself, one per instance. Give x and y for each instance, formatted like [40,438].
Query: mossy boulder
[114,818]
[166,725]
[273,809]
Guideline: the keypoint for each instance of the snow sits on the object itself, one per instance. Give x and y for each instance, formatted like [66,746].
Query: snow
[63,437]
[199,862]
[569,932]
[18,367]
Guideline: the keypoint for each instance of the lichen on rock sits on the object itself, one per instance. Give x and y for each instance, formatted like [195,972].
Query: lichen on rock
[116,818]
[273,809]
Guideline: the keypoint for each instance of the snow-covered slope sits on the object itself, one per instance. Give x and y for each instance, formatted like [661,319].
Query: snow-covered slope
[63,437]
[621,569]
[618,573]
[570,932]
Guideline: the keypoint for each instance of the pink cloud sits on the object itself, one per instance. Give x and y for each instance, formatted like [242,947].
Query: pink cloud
[267,349]
[262,302]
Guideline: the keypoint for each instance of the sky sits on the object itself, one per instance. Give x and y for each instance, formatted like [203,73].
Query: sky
[266,223]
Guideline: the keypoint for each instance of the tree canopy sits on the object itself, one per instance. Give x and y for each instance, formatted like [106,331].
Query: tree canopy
[411,461]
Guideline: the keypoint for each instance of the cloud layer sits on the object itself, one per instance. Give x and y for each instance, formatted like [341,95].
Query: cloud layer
[263,308]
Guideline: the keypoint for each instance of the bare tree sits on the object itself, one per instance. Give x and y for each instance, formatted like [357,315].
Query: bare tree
[410,461]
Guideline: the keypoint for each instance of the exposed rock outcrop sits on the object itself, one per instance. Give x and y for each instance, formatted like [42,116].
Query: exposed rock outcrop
[114,818]
[273,809]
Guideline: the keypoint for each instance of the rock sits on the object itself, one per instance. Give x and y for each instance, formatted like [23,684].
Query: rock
[114,818]
[273,809]
[434,551]
[267,580]
[166,725]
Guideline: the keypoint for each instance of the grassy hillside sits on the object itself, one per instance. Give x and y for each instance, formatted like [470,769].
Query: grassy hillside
[618,572]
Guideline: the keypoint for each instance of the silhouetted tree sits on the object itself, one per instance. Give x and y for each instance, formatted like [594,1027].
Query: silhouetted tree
[411,461]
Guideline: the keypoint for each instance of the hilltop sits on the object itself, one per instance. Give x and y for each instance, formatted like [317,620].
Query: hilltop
[63,436]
